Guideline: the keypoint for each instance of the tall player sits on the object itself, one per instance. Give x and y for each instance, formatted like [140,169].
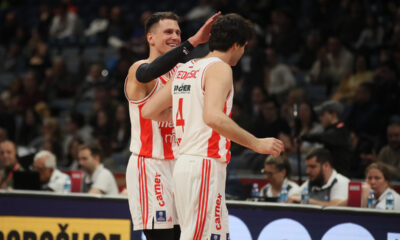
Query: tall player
[153,147]
[201,94]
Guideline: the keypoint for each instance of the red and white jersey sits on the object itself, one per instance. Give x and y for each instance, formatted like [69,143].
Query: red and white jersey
[193,135]
[150,138]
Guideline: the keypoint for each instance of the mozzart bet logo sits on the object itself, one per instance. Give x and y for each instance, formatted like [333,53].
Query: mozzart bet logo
[31,228]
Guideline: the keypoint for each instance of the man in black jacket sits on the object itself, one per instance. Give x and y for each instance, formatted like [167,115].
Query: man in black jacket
[335,137]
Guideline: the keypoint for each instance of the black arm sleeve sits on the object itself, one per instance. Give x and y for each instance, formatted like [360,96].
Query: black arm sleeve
[161,65]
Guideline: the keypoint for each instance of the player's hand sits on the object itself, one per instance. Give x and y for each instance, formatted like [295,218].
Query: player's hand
[271,146]
[203,34]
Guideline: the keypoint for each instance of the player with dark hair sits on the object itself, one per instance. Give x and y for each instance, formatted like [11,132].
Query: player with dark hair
[201,95]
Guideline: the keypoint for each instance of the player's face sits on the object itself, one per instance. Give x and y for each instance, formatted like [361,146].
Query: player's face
[237,54]
[8,154]
[376,180]
[165,36]
[87,160]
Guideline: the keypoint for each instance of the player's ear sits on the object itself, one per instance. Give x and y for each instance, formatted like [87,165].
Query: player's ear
[149,37]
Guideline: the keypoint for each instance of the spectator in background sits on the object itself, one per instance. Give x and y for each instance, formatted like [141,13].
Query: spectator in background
[96,178]
[29,128]
[278,77]
[50,138]
[278,172]
[97,31]
[119,30]
[121,130]
[270,123]
[93,81]
[371,37]
[65,24]
[31,94]
[335,137]
[378,178]
[76,128]
[51,178]
[340,60]
[45,20]
[326,187]
[349,85]
[364,115]
[72,157]
[389,156]
[309,52]
[9,163]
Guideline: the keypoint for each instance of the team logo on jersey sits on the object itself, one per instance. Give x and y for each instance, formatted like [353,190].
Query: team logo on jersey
[161,216]
[185,75]
[158,189]
[215,236]
[218,212]
[183,88]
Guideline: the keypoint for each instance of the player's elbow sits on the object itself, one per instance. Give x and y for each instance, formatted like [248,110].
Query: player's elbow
[211,120]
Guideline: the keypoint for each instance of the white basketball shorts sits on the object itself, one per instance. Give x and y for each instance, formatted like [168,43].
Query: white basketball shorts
[200,198]
[149,185]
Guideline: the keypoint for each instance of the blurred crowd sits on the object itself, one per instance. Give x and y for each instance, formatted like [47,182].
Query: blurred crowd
[64,64]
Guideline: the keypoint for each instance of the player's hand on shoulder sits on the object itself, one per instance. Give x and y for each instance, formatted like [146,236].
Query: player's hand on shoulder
[271,146]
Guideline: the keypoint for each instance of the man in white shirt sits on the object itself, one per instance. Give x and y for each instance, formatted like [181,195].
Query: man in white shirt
[51,178]
[326,186]
[96,178]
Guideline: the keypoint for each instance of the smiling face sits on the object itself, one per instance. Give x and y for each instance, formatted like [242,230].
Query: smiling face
[164,36]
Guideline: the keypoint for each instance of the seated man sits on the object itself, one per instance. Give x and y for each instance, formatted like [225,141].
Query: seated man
[390,154]
[96,178]
[51,178]
[326,186]
[8,161]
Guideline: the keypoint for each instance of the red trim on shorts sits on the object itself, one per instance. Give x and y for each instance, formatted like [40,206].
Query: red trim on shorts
[143,191]
[146,135]
[203,199]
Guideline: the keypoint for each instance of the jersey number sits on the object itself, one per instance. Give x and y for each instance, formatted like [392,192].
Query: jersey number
[179,116]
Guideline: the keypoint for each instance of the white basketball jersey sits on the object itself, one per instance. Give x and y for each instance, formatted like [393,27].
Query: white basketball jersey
[150,138]
[193,135]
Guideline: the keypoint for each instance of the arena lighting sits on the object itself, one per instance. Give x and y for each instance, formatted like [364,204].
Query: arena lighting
[238,230]
[284,228]
[348,231]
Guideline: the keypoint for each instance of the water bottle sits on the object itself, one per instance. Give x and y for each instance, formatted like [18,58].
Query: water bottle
[254,191]
[283,196]
[371,199]
[389,201]
[305,197]
[67,186]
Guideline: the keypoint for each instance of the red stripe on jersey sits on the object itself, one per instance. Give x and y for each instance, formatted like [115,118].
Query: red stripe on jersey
[228,145]
[143,191]
[167,137]
[213,142]
[163,79]
[146,135]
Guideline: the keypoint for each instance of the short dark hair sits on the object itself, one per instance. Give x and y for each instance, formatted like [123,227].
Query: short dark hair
[157,17]
[229,29]
[323,155]
[95,149]
[381,167]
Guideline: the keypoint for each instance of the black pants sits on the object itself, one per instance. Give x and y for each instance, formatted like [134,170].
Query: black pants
[163,234]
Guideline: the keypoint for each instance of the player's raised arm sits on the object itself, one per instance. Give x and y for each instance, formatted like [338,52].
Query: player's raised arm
[218,85]
[164,63]
[159,106]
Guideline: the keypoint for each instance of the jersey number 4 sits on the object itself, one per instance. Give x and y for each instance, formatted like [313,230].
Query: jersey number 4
[179,117]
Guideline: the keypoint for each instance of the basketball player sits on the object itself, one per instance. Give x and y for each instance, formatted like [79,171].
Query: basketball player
[201,94]
[149,171]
